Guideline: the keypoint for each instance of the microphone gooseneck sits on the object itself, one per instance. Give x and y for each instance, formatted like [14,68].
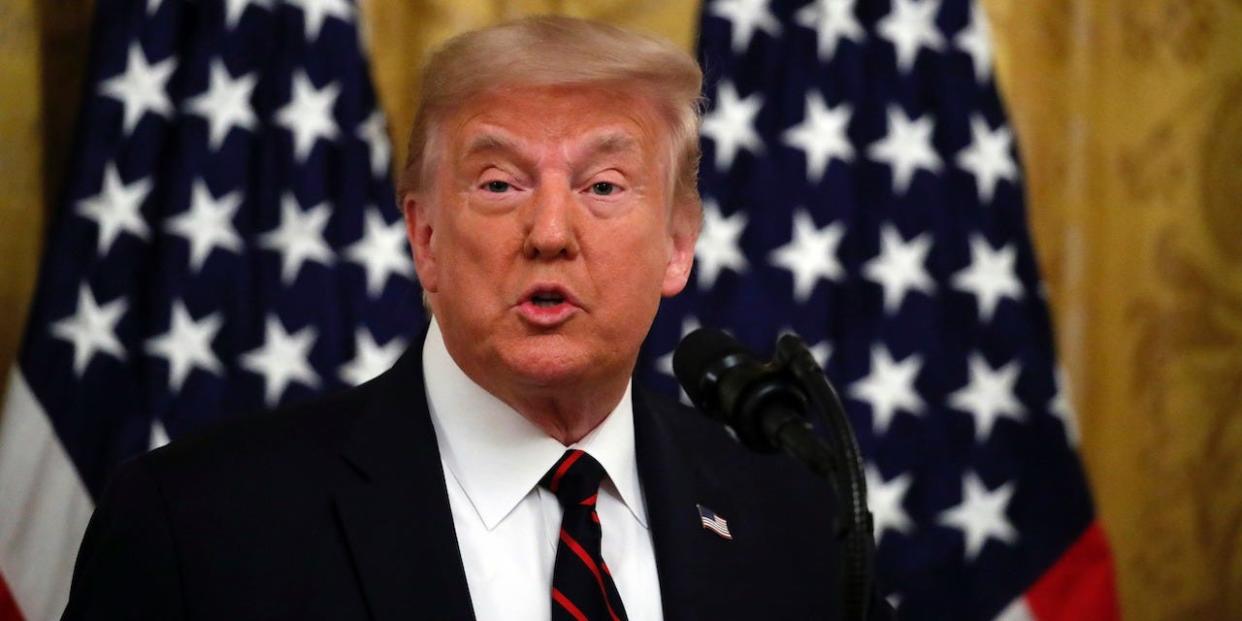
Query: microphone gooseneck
[767,405]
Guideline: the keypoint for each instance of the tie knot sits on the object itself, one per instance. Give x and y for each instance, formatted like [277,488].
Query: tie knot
[575,478]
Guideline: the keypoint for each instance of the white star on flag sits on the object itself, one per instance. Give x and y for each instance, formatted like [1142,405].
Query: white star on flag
[373,133]
[370,359]
[810,255]
[833,22]
[233,10]
[975,40]
[225,104]
[990,276]
[989,395]
[745,17]
[381,251]
[187,345]
[92,329]
[906,148]
[899,268]
[159,436]
[911,25]
[141,88]
[895,599]
[731,124]
[821,135]
[299,238]
[207,224]
[664,364]
[884,499]
[282,359]
[889,386]
[308,115]
[117,208]
[314,12]
[820,351]
[988,157]
[718,245]
[1061,407]
[981,515]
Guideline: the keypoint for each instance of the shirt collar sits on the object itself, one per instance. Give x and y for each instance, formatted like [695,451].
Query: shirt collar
[498,456]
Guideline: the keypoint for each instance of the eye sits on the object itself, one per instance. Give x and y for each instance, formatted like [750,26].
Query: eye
[497,187]
[602,188]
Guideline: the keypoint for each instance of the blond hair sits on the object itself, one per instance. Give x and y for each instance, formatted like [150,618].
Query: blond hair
[560,51]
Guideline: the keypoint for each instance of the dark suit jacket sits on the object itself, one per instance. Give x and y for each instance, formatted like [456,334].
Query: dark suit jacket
[337,509]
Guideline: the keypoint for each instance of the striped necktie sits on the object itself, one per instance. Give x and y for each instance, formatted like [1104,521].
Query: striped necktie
[582,587]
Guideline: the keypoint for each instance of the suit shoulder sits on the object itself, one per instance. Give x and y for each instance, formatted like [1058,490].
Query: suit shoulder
[714,447]
[706,438]
[688,424]
[263,442]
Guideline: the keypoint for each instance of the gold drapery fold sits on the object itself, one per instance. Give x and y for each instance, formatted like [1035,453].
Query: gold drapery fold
[1129,116]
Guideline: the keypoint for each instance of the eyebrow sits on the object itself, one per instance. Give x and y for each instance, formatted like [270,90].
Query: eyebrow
[490,142]
[612,142]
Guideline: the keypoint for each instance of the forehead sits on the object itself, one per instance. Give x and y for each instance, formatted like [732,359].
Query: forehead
[587,116]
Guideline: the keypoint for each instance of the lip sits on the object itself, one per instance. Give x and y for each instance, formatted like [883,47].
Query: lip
[548,316]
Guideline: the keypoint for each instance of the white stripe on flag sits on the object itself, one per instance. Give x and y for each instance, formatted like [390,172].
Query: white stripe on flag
[1017,610]
[44,507]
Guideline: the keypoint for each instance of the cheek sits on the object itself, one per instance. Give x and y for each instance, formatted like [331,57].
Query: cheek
[475,250]
[631,264]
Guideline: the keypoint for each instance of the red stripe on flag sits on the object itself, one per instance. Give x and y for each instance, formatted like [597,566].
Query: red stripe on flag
[1080,584]
[8,606]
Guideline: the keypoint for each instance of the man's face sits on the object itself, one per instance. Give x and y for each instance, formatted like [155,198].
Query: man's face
[546,234]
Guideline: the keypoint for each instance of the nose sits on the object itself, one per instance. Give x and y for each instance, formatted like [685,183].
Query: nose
[550,230]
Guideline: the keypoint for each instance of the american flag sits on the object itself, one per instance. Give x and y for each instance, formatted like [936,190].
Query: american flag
[227,241]
[861,187]
[714,522]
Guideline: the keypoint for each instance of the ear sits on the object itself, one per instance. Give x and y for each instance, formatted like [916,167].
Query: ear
[420,230]
[683,236]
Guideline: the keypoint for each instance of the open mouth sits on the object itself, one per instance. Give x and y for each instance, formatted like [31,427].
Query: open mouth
[548,305]
[546,299]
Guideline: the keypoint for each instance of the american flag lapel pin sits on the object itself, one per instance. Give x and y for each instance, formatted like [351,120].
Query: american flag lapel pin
[714,522]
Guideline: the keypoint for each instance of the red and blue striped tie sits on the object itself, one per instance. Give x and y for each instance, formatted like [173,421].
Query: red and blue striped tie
[582,587]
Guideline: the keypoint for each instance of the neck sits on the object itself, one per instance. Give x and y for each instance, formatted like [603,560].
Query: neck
[566,414]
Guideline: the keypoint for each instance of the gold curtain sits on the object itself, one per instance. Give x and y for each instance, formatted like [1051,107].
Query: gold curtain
[1129,116]
[43,46]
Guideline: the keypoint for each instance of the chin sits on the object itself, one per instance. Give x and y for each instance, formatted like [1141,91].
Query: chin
[548,361]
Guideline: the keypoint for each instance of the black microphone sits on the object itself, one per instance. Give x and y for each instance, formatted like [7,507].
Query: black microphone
[760,401]
[766,405]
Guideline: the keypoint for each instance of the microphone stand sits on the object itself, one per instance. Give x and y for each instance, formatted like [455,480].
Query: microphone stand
[842,467]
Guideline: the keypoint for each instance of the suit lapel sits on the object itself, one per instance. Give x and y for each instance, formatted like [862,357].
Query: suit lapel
[394,511]
[695,565]
[394,508]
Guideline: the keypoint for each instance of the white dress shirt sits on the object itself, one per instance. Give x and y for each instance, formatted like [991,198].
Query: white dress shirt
[507,525]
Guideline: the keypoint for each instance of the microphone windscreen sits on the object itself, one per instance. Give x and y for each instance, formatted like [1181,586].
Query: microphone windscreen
[696,354]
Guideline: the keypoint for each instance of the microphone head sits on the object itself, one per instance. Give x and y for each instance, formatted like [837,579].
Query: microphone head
[695,356]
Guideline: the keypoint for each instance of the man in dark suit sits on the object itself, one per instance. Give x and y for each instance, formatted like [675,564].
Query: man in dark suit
[505,467]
